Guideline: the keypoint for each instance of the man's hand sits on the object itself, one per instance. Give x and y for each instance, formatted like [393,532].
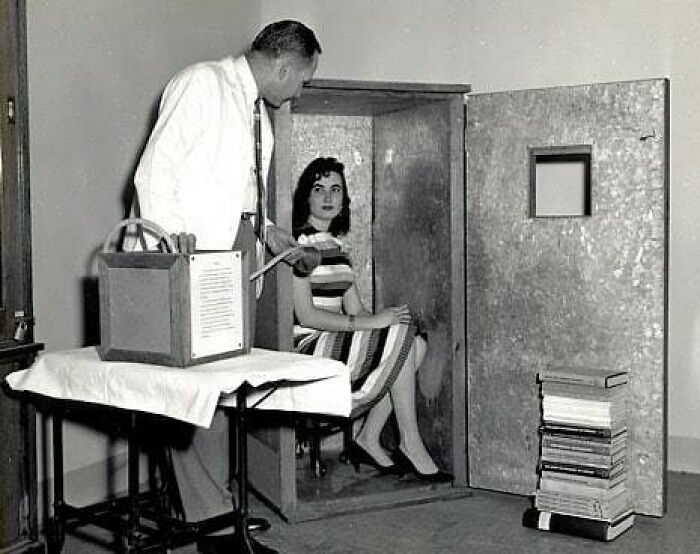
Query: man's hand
[308,259]
[279,240]
[304,261]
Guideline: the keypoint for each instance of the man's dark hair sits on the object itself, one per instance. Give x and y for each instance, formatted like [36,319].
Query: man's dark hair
[320,167]
[286,37]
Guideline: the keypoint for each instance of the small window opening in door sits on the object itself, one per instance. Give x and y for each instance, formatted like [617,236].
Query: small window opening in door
[560,181]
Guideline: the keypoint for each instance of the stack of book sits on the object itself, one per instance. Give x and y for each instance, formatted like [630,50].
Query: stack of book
[582,487]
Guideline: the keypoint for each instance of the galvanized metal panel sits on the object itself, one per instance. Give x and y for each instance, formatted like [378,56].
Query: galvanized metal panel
[580,291]
[349,139]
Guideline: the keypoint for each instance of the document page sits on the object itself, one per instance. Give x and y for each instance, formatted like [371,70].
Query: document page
[216,300]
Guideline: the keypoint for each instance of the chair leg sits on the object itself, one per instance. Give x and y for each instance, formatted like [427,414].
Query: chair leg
[169,492]
[347,434]
[318,468]
[300,448]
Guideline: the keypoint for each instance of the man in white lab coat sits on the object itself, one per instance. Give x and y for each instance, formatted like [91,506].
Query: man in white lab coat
[197,172]
[197,175]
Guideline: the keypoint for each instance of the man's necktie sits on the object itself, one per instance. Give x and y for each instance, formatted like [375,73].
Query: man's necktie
[261,208]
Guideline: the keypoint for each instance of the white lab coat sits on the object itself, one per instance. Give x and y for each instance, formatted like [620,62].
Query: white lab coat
[197,172]
[197,175]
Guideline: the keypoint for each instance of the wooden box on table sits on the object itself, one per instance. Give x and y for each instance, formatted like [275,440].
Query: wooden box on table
[174,309]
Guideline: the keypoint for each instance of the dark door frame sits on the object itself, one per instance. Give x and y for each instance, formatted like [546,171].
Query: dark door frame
[18,432]
[15,245]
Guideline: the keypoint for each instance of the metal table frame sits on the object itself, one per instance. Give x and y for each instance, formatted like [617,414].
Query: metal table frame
[140,526]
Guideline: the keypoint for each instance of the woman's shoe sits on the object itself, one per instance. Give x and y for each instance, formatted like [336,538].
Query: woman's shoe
[404,466]
[355,455]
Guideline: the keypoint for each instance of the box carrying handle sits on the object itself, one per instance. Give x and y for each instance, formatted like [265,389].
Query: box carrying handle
[156,229]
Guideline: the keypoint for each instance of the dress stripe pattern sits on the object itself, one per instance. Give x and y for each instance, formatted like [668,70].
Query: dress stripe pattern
[375,356]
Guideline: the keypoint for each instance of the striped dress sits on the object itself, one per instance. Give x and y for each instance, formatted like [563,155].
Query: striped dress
[375,356]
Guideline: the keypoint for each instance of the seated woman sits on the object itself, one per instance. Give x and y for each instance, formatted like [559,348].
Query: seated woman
[382,350]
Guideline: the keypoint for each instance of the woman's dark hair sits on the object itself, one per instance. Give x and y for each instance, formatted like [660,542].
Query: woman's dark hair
[320,167]
[286,37]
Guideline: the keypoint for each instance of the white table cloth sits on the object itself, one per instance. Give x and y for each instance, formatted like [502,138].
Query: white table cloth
[306,383]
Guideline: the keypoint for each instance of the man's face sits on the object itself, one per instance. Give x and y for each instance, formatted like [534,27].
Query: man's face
[291,76]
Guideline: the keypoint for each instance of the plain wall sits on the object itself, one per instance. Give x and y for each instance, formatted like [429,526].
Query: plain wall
[500,45]
[96,69]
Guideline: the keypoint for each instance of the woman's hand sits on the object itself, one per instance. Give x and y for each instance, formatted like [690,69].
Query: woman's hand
[391,316]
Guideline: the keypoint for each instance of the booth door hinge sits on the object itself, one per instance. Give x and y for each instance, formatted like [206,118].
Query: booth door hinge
[11,110]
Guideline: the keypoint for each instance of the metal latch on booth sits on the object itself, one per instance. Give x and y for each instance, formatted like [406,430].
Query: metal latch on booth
[11,110]
[22,323]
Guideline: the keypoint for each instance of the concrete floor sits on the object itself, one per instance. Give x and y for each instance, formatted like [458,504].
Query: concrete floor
[486,522]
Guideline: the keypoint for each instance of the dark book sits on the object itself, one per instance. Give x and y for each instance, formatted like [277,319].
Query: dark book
[581,431]
[590,528]
[588,377]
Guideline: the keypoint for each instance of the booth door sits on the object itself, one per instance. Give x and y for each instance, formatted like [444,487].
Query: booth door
[569,288]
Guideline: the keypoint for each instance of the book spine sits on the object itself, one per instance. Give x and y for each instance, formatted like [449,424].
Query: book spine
[584,458]
[578,469]
[583,377]
[563,413]
[583,506]
[584,447]
[616,499]
[597,512]
[573,379]
[580,421]
[559,486]
[574,392]
[588,480]
[582,403]
[584,411]
[616,437]
[579,430]
[548,521]
[577,526]
[572,412]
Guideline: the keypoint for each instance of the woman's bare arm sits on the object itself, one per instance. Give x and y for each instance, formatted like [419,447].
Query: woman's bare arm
[324,320]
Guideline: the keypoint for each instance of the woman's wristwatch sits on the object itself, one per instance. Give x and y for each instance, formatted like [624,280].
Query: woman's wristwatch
[351,323]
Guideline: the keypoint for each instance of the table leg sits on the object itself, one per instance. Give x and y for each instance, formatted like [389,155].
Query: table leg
[244,543]
[55,527]
[130,535]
